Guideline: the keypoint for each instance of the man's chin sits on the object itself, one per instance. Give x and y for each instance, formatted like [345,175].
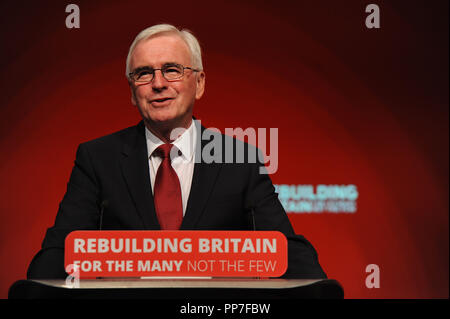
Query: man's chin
[166,121]
[170,118]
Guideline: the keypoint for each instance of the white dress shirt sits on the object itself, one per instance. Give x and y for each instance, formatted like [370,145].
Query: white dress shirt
[183,165]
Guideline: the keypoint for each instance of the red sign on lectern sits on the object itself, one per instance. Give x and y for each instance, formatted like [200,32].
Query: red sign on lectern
[177,253]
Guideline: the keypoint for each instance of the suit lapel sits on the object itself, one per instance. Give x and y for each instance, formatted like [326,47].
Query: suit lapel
[203,180]
[135,170]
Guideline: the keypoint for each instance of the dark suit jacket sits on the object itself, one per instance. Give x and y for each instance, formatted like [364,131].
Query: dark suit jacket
[115,168]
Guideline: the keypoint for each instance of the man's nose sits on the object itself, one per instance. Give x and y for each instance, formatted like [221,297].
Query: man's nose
[159,82]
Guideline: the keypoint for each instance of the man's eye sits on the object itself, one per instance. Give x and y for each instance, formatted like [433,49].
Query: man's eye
[172,70]
[144,73]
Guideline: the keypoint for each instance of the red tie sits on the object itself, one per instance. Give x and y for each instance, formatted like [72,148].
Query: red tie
[167,192]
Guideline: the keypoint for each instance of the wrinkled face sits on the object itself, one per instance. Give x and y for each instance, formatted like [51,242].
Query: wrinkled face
[161,102]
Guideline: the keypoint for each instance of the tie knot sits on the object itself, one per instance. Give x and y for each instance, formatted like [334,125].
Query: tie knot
[164,150]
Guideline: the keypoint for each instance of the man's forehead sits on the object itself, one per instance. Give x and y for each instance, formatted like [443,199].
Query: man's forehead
[161,49]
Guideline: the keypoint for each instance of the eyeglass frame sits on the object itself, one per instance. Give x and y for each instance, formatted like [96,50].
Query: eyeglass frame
[131,74]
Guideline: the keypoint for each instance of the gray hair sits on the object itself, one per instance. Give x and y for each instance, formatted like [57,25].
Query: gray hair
[186,35]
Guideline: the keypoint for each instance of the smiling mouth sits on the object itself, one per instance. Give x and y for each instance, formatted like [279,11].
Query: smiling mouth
[161,100]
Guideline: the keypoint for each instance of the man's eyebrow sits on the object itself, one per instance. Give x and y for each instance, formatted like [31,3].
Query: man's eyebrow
[170,64]
[146,67]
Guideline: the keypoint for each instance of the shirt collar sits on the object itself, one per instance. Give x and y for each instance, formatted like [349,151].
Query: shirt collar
[186,142]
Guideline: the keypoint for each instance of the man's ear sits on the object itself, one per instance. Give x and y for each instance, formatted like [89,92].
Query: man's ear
[201,78]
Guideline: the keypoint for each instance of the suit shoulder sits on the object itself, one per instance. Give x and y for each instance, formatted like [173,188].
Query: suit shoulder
[113,141]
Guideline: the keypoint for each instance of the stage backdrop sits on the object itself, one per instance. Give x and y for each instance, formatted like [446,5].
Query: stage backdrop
[362,119]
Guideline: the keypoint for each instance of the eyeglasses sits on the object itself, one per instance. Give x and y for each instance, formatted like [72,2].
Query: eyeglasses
[171,72]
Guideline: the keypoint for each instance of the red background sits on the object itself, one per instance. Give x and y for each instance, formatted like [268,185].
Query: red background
[353,106]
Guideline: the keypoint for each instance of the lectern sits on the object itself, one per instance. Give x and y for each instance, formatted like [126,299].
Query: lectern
[219,264]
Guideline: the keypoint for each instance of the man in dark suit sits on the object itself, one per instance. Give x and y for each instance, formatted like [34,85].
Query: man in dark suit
[128,181]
